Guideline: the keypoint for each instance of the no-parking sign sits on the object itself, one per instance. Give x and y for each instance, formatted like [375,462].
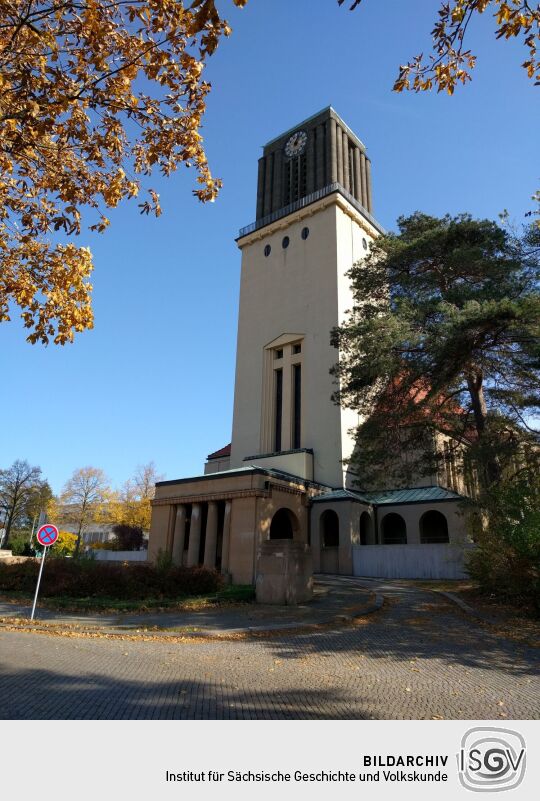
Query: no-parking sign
[47,535]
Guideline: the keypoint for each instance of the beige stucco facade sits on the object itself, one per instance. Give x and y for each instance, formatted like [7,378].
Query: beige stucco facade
[335,558]
[297,294]
[413,513]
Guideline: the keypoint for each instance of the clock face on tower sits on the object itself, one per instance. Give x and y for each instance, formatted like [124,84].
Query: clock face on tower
[296,144]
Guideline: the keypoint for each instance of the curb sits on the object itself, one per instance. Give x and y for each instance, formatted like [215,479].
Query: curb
[449,595]
[374,607]
[209,634]
[465,607]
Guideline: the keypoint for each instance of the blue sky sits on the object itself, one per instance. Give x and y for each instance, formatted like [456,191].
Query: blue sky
[154,380]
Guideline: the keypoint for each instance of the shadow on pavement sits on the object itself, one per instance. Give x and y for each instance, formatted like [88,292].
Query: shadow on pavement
[44,695]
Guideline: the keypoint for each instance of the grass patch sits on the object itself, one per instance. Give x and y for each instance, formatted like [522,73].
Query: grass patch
[228,596]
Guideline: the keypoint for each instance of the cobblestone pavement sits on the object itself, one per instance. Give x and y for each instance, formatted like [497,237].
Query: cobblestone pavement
[418,658]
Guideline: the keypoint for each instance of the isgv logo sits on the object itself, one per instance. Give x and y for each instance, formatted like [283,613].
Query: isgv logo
[491,759]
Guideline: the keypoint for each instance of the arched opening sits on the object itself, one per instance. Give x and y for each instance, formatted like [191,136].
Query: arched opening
[283,525]
[433,527]
[330,529]
[366,528]
[394,530]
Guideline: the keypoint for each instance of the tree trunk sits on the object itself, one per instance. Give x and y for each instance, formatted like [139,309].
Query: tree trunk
[475,385]
[11,516]
[8,523]
[78,543]
[475,382]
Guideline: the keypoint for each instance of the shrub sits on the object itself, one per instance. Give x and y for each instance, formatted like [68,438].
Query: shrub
[88,578]
[164,561]
[108,545]
[19,545]
[65,545]
[128,538]
[506,561]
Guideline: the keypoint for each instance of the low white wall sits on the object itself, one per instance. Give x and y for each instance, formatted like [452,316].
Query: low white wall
[120,556]
[410,561]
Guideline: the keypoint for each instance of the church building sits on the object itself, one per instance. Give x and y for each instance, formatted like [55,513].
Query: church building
[283,477]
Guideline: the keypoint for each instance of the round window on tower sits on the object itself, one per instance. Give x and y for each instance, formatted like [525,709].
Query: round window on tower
[305,233]
[267,250]
[285,242]
[364,244]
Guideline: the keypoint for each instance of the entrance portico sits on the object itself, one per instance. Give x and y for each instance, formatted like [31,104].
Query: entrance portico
[192,519]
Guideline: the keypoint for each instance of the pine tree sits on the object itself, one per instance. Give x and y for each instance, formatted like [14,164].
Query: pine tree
[444,336]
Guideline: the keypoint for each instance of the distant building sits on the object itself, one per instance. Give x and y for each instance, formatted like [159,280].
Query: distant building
[93,531]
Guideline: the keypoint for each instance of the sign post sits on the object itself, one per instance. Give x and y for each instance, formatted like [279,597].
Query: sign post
[46,536]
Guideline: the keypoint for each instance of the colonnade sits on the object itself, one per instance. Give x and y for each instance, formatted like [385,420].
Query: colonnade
[195,534]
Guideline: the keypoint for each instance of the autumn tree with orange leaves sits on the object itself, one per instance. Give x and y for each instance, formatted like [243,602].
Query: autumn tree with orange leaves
[96,95]
[450,61]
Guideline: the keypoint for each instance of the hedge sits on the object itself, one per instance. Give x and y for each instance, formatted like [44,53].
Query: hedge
[86,578]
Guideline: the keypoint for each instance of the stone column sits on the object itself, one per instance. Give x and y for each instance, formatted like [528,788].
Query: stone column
[368,186]
[346,171]
[333,151]
[315,540]
[179,535]
[226,538]
[339,140]
[268,184]
[210,542]
[363,179]
[310,165]
[194,536]
[260,188]
[277,200]
[357,178]
[320,156]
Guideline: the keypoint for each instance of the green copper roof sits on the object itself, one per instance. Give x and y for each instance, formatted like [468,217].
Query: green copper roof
[415,495]
[388,497]
[343,495]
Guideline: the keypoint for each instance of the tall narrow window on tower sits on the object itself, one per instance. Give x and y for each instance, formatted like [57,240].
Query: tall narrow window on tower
[281,412]
[278,414]
[297,406]
[295,179]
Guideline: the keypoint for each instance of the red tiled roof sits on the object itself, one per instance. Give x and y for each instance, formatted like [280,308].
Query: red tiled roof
[226,451]
[399,394]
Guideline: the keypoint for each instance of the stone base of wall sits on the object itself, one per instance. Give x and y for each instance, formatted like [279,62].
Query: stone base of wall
[284,573]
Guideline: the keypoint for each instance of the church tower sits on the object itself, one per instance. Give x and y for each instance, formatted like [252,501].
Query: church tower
[278,505]
[313,221]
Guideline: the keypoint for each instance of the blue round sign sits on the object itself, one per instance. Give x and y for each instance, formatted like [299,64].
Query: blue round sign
[47,535]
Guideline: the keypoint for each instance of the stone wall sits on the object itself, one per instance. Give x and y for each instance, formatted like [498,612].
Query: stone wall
[284,573]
